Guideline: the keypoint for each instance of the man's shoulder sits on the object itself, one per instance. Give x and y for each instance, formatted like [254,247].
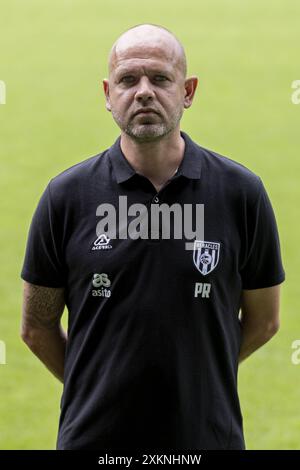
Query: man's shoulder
[80,171]
[71,186]
[227,171]
[225,164]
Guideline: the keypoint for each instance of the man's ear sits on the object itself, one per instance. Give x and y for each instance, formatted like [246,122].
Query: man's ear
[106,92]
[190,88]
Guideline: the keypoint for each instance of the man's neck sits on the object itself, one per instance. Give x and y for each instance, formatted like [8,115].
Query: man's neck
[157,161]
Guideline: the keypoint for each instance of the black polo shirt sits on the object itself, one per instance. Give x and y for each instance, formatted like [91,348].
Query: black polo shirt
[153,328]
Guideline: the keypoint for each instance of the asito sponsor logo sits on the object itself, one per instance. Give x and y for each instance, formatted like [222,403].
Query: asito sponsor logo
[102,284]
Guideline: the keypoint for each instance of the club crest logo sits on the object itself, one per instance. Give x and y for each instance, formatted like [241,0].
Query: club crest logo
[206,256]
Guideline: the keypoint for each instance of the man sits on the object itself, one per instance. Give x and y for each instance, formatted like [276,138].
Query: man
[155,330]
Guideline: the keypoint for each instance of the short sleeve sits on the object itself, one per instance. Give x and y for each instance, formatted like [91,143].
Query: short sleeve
[263,267]
[43,264]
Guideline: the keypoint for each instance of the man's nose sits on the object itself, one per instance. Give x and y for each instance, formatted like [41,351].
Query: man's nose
[144,90]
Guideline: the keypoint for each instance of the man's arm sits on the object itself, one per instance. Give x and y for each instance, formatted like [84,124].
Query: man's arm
[259,318]
[41,328]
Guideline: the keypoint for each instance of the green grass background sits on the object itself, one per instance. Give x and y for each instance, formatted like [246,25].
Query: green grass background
[52,58]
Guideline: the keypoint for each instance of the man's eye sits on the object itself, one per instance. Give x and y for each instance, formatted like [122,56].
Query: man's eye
[160,78]
[128,79]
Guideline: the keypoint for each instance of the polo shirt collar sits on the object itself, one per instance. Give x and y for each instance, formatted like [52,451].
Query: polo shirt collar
[190,166]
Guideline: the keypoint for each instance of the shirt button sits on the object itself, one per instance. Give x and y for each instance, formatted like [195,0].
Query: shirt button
[156,199]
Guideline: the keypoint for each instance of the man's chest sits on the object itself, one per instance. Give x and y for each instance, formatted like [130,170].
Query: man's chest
[194,247]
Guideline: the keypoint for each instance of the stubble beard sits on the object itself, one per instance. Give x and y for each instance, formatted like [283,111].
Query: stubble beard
[147,132]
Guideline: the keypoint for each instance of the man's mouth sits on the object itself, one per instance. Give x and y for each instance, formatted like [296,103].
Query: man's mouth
[145,111]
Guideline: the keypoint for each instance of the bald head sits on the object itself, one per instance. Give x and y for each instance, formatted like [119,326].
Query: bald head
[147,89]
[145,39]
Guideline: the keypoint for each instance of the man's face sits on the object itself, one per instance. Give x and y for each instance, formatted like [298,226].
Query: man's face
[146,90]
